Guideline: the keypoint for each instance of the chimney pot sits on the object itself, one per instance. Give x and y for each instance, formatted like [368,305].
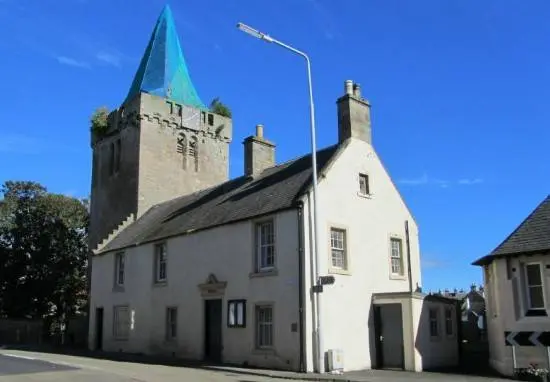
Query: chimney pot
[260,131]
[349,87]
[357,90]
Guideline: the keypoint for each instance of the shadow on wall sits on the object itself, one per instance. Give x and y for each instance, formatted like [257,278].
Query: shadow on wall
[372,339]
[438,336]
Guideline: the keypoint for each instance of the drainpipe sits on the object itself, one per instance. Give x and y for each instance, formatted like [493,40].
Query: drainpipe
[301,289]
[409,269]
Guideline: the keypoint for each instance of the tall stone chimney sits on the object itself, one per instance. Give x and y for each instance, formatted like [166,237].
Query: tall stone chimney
[259,153]
[353,114]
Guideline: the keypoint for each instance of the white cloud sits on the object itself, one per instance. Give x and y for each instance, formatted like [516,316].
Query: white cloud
[112,59]
[415,181]
[64,60]
[442,183]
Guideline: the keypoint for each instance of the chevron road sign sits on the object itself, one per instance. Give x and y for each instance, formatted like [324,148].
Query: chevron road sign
[527,338]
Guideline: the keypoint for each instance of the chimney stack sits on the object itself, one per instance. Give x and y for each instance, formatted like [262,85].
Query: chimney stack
[353,114]
[259,153]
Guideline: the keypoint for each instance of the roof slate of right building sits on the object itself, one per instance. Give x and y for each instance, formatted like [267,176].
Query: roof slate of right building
[532,235]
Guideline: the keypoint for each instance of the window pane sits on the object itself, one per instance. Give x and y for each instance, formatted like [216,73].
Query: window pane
[533,274]
[240,315]
[536,297]
[396,266]
[338,259]
[232,314]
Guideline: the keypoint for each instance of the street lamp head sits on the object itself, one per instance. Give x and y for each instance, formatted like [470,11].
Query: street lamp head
[253,32]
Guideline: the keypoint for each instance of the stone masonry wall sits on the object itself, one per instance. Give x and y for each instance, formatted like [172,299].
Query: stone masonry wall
[167,150]
[180,154]
[114,196]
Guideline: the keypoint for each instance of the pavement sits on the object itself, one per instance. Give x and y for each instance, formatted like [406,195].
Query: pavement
[28,366]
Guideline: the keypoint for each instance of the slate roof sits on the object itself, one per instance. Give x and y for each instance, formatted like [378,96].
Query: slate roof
[532,235]
[275,189]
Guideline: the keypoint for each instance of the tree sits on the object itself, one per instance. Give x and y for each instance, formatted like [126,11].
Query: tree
[43,252]
[216,106]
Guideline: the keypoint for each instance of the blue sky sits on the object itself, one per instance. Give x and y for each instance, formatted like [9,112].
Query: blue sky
[459,92]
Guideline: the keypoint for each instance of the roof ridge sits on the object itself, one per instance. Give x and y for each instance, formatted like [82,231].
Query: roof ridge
[303,156]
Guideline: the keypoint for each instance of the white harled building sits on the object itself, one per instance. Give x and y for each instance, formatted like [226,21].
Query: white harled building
[189,263]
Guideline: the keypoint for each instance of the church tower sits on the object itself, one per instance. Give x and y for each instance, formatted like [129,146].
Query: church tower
[161,143]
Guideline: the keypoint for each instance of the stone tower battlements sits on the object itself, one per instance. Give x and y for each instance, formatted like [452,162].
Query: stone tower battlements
[161,143]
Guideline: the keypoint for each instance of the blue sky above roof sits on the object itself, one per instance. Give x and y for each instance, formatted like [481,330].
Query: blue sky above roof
[163,70]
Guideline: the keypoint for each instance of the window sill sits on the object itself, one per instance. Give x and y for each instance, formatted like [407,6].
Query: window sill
[267,273]
[337,271]
[365,196]
[398,277]
[121,339]
[118,289]
[160,284]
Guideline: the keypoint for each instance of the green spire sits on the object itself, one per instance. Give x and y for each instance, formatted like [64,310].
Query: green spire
[162,70]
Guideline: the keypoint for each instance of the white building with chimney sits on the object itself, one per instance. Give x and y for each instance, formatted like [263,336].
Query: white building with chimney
[189,263]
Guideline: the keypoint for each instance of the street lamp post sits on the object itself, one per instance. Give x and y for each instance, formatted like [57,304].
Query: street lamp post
[315,210]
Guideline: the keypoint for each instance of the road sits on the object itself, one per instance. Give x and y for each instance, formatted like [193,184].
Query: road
[19,367]
[25,366]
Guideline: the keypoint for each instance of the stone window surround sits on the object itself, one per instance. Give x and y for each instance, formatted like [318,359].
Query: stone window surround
[264,348]
[116,318]
[171,328]
[448,315]
[525,287]
[364,176]
[331,268]
[157,280]
[394,276]
[435,320]
[236,303]
[268,271]
[120,270]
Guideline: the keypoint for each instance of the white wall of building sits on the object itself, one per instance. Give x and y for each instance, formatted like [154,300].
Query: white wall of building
[506,311]
[227,252]
[369,223]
